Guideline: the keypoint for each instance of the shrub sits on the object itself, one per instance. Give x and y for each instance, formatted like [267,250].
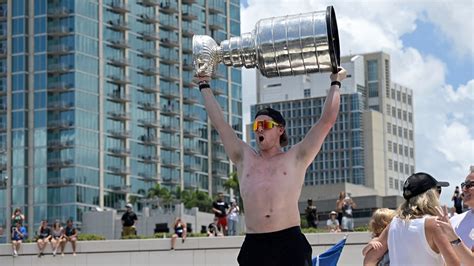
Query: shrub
[89,237]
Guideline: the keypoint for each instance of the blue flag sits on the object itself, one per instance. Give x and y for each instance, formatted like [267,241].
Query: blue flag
[330,256]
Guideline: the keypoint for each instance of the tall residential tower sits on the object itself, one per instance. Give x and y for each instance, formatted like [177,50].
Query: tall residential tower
[97,103]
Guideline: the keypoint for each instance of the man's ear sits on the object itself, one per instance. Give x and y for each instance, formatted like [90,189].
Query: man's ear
[282,130]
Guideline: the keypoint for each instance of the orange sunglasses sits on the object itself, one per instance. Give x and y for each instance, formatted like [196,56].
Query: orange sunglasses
[265,124]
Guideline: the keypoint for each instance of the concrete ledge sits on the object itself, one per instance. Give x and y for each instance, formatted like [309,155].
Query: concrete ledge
[195,251]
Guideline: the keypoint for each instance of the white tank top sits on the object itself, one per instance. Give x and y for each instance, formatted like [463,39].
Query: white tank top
[407,244]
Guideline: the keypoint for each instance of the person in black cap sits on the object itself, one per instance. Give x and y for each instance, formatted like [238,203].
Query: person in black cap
[413,238]
[271,179]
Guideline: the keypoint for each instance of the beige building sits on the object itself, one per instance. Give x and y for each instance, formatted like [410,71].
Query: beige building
[370,151]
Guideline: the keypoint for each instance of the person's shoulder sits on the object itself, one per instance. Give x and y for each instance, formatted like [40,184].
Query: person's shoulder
[456,219]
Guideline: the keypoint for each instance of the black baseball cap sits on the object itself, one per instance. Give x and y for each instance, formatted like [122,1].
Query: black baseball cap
[419,183]
[277,117]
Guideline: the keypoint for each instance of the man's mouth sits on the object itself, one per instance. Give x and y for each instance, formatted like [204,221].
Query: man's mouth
[260,138]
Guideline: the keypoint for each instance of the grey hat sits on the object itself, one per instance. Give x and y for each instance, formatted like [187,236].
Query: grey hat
[129,205]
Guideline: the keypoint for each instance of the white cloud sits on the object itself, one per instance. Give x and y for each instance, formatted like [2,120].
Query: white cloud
[444,116]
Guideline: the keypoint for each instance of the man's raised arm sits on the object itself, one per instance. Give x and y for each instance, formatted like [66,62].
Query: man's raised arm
[309,147]
[233,146]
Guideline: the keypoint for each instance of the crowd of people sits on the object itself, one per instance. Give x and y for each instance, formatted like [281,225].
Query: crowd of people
[57,235]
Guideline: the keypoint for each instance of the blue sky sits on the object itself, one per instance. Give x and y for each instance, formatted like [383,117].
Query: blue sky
[431,47]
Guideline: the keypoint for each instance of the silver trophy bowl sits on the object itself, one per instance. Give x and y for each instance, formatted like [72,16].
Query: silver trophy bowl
[279,46]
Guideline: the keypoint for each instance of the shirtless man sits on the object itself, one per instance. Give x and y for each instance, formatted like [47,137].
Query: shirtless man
[271,180]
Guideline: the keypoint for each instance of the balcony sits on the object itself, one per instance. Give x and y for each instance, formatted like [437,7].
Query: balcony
[167,145]
[60,106]
[149,71]
[191,150]
[191,97]
[3,52]
[3,127]
[118,25]
[190,134]
[60,124]
[216,7]
[149,159]
[188,16]
[170,128]
[219,156]
[149,123]
[169,61]
[59,69]
[150,35]
[220,172]
[192,168]
[119,116]
[119,134]
[118,43]
[169,25]
[3,34]
[118,97]
[58,163]
[3,166]
[59,145]
[216,139]
[59,87]
[118,61]
[188,32]
[169,78]
[190,117]
[60,49]
[149,53]
[169,8]
[148,19]
[169,163]
[59,31]
[3,108]
[58,182]
[150,140]
[169,94]
[188,2]
[166,110]
[218,91]
[119,79]
[119,170]
[59,12]
[188,67]
[121,189]
[147,177]
[169,42]
[149,3]
[149,89]
[118,7]
[149,106]
[3,91]
[3,149]
[119,152]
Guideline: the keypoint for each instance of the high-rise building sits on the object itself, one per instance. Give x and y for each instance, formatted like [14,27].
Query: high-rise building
[371,143]
[97,103]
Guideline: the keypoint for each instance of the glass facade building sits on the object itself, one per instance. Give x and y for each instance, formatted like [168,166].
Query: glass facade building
[97,103]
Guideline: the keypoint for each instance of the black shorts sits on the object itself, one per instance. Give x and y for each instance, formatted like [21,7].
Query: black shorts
[287,247]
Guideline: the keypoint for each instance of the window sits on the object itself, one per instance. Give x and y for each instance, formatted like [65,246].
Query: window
[394,130]
[394,111]
[393,94]
[410,117]
[405,149]
[389,146]
[411,153]
[400,131]
[404,97]
[395,166]
[405,133]
[399,96]
[396,184]
[409,99]
[410,134]
[307,93]
[372,70]
[400,149]
[399,112]
[407,170]
[404,115]
[395,148]
[388,109]
[389,128]
[373,89]
[390,182]
[390,167]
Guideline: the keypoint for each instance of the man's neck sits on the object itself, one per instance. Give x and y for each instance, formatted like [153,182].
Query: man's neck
[270,152]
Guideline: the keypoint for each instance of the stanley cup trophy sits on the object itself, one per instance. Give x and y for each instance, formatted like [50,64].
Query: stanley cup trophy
[280,46]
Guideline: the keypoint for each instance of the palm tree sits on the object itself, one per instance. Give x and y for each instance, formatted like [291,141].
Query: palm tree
[233,183]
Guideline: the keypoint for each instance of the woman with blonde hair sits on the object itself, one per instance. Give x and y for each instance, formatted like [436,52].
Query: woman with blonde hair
[411,237]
